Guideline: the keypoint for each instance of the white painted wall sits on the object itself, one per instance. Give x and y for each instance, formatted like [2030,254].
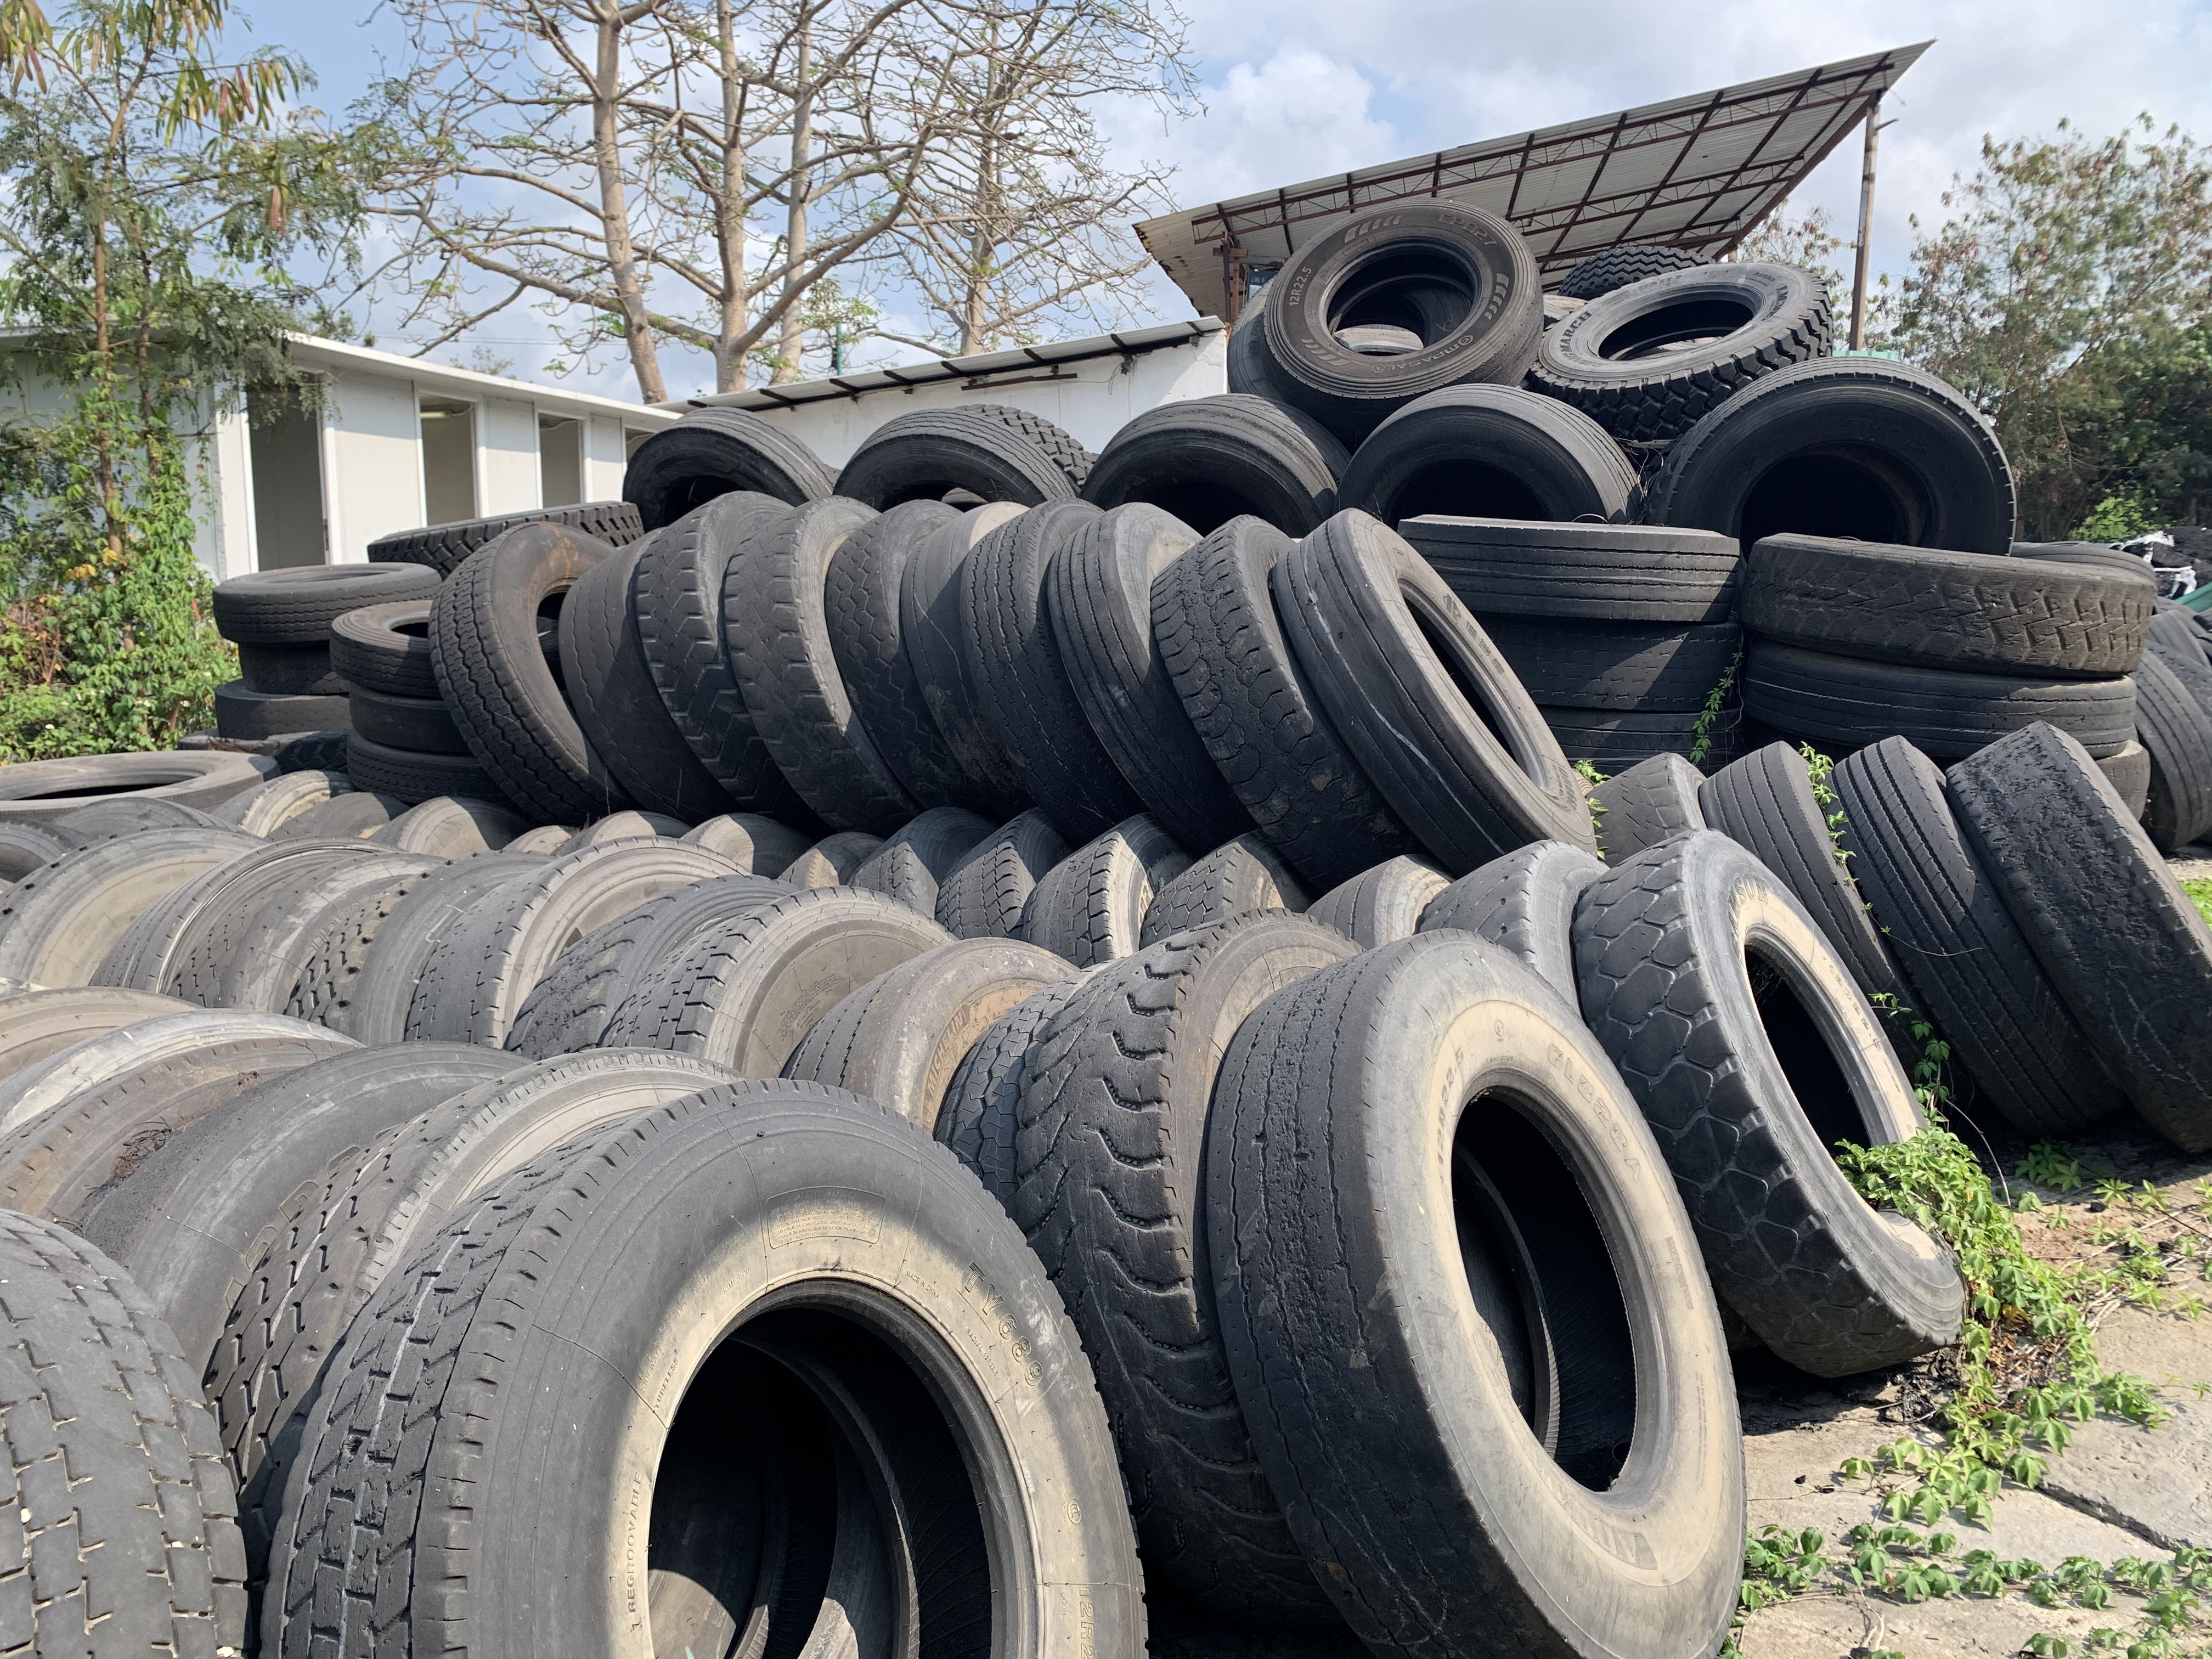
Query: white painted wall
[222,462]
[372,462]
[605,456]
[506,456]
[1093,398]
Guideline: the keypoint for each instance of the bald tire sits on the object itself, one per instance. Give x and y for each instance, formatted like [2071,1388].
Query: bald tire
[1236,878]
[60,920]
[451,827]
[983,895]
[1381,905]
[833,860]
[1524,903]
[118,1480]
[760,845]
[37,1024]
[898,1040]
[1109,1138]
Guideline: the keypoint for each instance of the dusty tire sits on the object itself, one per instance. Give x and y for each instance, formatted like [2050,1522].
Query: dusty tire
[833,860]
[712,452]
[1383,905]
[445,547]
[909,865]
[25,846]
[41,791]
[1400,664]
[1490,452]
[977,1117]
[1666,944]
[762,846]
[629,824]
[58,922]
[35,1025]
[377,967]
[448,827]
[1524,903]
[1007,1367]
[993,451]
[1353,1196]
[354,815]
[1130,1061]
[134,1516]
[261,811]
[1215,626]
[1968,964]
[1207,460]
[900,1038]
[982,896]
[297,606]
[137,1047]
[2103,913]
[1652,801]
[1090,908]
[1235,878]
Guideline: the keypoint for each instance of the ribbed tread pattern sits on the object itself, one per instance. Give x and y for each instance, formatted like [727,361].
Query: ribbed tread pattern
[1631,262]
[983,895]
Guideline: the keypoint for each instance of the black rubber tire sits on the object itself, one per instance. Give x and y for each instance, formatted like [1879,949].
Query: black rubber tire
[1130,1059]
[1214,624]
[746,994]
[2184,647]
[932,633]
[909,865]
[1038,1533]
[297,606]
[1934,608]
[1765,803]
[1613,742]
[2176,732]
[451,827]
[1014,664]
[39,1024]
[376,965]
[1652,801]
[1373,268]
[775,613]
[241,713]
[2102,555]
[482,969]
[1596,573]
[290,670]
[137,1047]
[1968,964]
[1207,460]
[1383,905]
[609,680]
[760,845]
[385,648]
[1236,878]
[25,846]
[411,776]
[416,723]
[833,860]
[1090,908]
[1631,262]
[1354,1196]
[262,811]
[993,451]
[982,896]
[900,1038]
[712,452]
[1624,666]
[1099,592]
[1945,712]
[58,922]
[43,791]
[2104,914]
[569,1010]
[445,547]
[228,953]
[1746,1117]
[1397,661]
[1650,358]
[493,677]
[2129,773]
[1490,452]
[1881,452]
[127,1502]
[1248,370]
[977,1118]
[1524,903]
[675,597]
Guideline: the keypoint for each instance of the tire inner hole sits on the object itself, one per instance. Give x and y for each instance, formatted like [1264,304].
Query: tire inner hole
[1462,678]
[813,1497]
[1467,489]
[1205,506]
[1545,1289]
[71,791]
[1843,491]
[1674,328]
[1814,1075]
[1424,291]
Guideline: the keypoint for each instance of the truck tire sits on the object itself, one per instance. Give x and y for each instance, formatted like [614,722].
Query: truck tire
[356,815]
[1847,448]
[385,648]
[1599,573]
[1697,934]
[24,846]
[1207,460]
[292,671]
[1624,666]
[628,824]
[977,1118]
[1631,262]
[1090,908]
[243,713]
[833,860]
[423,724]
[1236,878]
[408,777]
[59,922]
[1652,801]
[1490,452]
[993,451]
[38,1025]
[982,895]
[139,1046]
[1464,1478]
[1524,903]
[1612,741]
[450,827]
[712,452]
[760,845]
[39,792]
[297,606]
[1650,358]
[2103,913]
[1969,966]
[1383,905]
[933,633]
[445,547]
[262,811]
[908,867]
[375,966]
[2176,732]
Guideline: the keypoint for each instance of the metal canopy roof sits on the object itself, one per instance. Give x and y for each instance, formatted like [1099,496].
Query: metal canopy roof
[1697,171]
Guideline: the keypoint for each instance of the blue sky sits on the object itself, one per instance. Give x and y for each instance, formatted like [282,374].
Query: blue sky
[1299,88]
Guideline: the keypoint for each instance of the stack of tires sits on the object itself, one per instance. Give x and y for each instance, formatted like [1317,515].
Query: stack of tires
[404,745]
[281,623]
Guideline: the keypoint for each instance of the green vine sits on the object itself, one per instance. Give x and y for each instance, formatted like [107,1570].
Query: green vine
[1701,744]
[1591,778]
[2200,895]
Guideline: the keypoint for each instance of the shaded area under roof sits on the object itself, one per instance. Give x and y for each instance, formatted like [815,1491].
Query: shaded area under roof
[1697,172]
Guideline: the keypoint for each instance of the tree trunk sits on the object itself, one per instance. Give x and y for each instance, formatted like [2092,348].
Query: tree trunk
[614,208]
[729,210]
[790,346]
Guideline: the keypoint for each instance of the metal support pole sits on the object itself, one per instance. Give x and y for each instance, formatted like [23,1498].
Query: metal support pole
[1866,226]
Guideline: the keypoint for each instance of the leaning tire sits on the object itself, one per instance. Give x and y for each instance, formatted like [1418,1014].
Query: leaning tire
[1652,801]
[995,452]
[1236,878]
[1207,460]
[1696,935]
[1383,905]
[1524,903]
[909,867]
[376,965]
[1538,459]
[1355,1199]
[445,547]
[59,922]
[1090,908]
[933,634]
[982,896]
[2176,731]
[451,827]
[262,811]
[711,452]
[2103,913]
[1016,1406]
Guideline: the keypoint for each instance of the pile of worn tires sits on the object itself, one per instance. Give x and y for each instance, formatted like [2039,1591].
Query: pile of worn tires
[1004,1053]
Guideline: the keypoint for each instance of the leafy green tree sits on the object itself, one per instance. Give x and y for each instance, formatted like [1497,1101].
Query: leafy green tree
[156,194]
[2068,292]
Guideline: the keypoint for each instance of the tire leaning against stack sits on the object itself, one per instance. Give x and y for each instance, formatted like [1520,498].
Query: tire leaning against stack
[2176,731]
[932,638]
[1206,460]
[59,922]
[445,547]
[995,452]
[711,452]
[1540,459]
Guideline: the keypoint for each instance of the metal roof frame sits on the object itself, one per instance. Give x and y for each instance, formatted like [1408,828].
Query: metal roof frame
[1697,172]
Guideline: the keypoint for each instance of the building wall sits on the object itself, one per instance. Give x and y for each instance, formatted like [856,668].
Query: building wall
[372,462]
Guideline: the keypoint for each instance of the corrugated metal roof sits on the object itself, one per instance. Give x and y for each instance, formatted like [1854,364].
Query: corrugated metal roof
[1697,171]
[981,371]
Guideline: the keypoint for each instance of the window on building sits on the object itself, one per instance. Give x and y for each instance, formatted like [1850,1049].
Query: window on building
[285,440]
[560,460]
[449,460]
